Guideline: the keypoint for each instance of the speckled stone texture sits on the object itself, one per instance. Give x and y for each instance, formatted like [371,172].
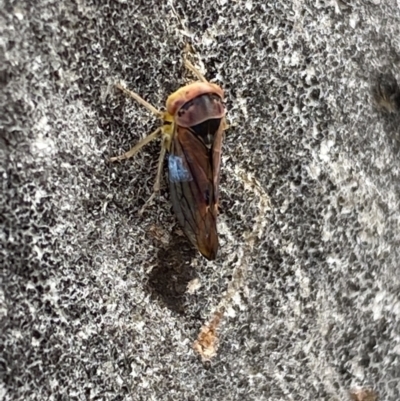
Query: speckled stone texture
[94,302]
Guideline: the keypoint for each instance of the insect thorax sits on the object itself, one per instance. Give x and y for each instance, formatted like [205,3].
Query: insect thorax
[202,115]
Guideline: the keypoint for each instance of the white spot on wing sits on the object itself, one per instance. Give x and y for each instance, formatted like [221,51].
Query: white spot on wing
[177,171]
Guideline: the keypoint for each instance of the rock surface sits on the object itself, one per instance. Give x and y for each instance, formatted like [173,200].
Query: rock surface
[94,300]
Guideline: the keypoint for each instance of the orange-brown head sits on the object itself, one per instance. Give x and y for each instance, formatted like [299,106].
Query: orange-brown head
[189,106]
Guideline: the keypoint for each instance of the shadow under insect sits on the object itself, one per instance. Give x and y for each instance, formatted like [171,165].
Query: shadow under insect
[169,279]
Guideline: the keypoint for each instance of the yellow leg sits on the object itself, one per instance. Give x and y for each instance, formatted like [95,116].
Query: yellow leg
[139,146]
[157,183]
[161,130]
[227,126]
[195,71]
[140,100]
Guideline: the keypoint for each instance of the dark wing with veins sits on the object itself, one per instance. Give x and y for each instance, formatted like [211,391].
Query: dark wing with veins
[192,183]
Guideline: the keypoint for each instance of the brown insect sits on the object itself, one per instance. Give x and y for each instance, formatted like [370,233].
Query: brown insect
[192,133]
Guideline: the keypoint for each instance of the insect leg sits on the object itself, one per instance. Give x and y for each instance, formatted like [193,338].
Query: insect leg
[194,70]
[160,168]
[156,187]
[140,100]
[139,146]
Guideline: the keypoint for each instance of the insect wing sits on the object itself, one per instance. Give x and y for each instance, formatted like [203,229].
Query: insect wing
[191,181]
[216,159]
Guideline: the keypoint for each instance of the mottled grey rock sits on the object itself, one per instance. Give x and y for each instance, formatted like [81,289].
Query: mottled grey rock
[94,301]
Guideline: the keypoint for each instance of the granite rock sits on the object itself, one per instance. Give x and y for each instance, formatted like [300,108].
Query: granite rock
[94,300]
